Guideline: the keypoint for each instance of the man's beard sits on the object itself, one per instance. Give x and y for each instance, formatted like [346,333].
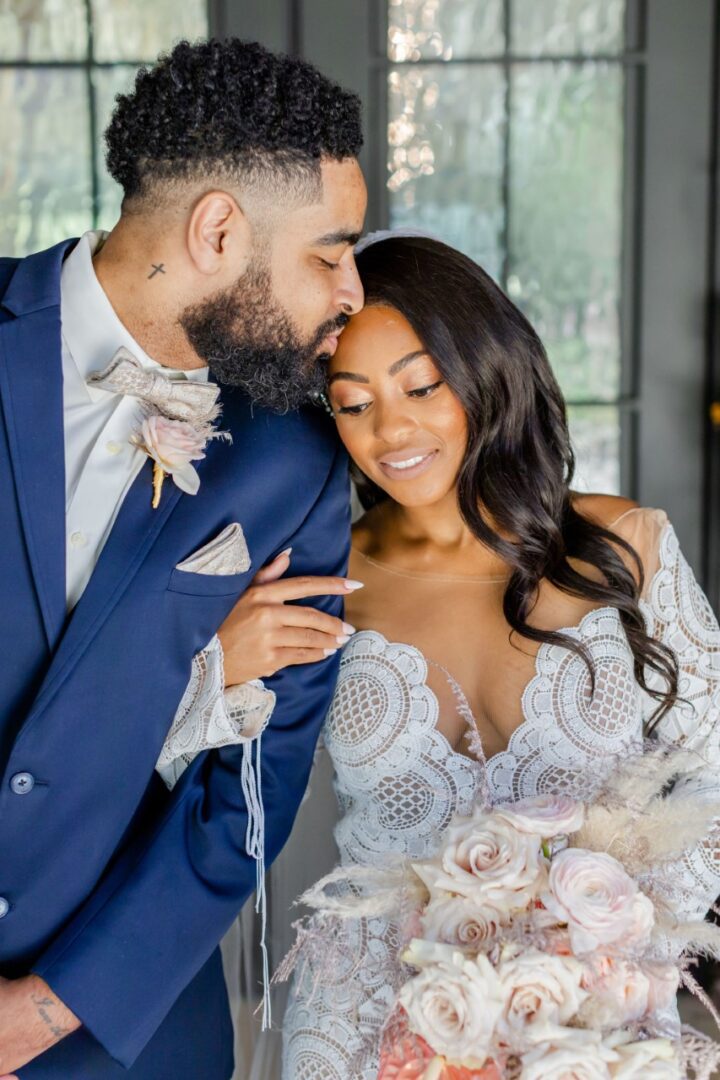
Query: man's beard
[247,339]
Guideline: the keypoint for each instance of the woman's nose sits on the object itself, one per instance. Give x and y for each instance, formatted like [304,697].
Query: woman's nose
[393,425]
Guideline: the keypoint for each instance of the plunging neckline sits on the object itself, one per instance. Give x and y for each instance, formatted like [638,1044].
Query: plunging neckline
[474,737]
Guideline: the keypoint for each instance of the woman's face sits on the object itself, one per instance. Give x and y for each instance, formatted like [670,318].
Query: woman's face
[398,419]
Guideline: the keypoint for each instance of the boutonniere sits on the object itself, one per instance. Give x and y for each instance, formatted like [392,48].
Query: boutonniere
[173,445]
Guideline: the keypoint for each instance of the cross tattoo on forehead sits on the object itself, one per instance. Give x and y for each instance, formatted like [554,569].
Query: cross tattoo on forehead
[158,268]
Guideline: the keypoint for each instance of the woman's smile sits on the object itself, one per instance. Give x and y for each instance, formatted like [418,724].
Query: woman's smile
[407,464]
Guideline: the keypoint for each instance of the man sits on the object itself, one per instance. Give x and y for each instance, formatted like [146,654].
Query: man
[234,252]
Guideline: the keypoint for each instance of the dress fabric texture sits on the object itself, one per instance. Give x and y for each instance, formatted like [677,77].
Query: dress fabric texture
[399,780]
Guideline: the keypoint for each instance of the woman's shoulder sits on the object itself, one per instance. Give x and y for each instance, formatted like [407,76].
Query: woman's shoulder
[639,526]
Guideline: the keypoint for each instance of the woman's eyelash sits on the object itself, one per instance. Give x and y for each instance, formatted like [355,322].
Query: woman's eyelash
[329,265]
[421,392]
[425,391]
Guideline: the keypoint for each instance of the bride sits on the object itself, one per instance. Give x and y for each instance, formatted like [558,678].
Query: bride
[513,635]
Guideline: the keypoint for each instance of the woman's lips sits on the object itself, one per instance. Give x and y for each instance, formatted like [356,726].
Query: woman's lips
[409,465]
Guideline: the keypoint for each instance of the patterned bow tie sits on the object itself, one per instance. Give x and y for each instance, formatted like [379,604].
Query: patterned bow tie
[177,399]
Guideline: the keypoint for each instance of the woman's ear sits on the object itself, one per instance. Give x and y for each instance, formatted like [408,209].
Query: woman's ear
[219,237]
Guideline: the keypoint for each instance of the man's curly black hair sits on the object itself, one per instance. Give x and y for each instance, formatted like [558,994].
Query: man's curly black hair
[229,109]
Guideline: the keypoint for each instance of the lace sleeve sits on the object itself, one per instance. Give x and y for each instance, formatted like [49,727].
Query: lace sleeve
[210,715]
[678,614]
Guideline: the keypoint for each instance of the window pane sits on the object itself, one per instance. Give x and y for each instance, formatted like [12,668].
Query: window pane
[429,29]
[108,82]
[566,27]
[138,30]
[445,155]
[44,129]
[43,30]
[596,438]
[565,218]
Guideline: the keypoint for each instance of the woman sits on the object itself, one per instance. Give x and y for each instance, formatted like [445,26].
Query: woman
[514,636]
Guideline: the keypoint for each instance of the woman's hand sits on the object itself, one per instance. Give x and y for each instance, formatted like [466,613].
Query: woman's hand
[263,633]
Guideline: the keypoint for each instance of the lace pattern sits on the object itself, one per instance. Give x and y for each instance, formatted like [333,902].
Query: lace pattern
[399,781]
[210,715]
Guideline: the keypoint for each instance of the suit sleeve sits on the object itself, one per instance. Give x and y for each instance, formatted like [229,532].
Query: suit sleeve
[140,938]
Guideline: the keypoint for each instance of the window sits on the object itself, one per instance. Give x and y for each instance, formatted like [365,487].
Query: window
[506,138]
[61,64]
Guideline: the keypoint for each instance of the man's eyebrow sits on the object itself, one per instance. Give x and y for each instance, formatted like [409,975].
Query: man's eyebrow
[394,368]
[342,236]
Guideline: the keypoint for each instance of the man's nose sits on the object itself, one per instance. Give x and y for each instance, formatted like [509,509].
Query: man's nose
[350,296]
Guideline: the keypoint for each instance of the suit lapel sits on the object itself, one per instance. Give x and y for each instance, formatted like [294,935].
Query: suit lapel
[32,394]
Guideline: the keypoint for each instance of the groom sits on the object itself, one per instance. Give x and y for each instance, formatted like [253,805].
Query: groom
[233,253]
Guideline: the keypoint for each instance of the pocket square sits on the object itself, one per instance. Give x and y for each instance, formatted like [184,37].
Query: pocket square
[226,554]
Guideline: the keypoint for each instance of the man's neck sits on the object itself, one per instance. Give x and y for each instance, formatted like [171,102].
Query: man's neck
[138,283]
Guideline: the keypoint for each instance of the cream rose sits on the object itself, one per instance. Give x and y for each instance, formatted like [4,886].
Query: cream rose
[488,861]
[599,901]
[173,444]
[544,815]
[539,991]
[460,922]
[650,1059]
[579,1055]
[454,1004]
[619,992]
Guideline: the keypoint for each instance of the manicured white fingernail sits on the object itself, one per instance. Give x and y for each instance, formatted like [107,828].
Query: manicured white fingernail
[342,640]
[287,551]
[351,586]
[348,629]
[329,652]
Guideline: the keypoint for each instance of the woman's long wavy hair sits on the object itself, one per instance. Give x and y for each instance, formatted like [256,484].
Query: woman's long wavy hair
[519,463]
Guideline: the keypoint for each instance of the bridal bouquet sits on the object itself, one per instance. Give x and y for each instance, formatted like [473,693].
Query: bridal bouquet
[545,940]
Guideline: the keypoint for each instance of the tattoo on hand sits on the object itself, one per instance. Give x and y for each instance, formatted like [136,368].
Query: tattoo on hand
[157,268]
[43,1004]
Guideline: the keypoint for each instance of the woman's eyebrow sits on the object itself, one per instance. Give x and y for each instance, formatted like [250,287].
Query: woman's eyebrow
[405,360]
[394,368]
[349,375]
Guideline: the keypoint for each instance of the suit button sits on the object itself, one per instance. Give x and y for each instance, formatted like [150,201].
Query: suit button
[22,783]
[4,907]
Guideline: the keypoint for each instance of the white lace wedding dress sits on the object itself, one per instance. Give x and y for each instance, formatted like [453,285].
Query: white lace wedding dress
[399,781]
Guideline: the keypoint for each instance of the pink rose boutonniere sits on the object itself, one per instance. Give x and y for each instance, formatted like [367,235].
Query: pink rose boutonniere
[173,445]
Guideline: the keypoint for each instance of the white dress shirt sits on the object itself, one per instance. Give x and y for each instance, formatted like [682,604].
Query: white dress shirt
[100,466]
[100,462]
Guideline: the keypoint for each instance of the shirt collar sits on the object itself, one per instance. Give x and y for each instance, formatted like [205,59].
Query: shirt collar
[91,329]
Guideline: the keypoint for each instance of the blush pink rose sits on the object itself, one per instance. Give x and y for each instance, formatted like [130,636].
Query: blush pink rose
[488,861]
[600,903]
[547,816]
[460,922]
[618,992]
[173,444]
[540,991]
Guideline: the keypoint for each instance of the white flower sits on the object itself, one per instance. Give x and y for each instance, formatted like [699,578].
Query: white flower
[578,1055]
[460,922]
[619,992]
[454,1003]
[650,1059]
[539,990]
[488,861]
[599,901]
[544,815]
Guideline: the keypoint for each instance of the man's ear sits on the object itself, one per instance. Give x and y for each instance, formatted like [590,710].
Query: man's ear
[219,239]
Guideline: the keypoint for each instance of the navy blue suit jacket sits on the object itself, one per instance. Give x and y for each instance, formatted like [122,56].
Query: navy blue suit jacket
[119,890]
